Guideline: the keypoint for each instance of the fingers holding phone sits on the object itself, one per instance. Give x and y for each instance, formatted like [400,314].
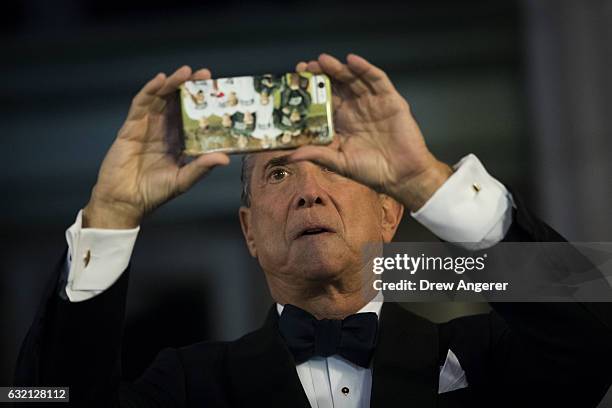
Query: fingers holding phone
[143,168]
[379,143]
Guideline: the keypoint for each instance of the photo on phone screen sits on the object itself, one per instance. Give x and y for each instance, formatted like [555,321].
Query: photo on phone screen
[252,113]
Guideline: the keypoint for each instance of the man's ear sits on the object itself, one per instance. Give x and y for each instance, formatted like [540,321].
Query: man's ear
[392,212]
[247,231]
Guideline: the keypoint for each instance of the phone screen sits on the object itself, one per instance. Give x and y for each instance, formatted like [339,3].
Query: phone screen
[252,113]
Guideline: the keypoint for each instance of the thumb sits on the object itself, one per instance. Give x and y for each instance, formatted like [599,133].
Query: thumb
[190,173]
[325,156]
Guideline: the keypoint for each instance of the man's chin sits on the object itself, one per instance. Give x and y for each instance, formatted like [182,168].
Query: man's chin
[322,274]
[321,264]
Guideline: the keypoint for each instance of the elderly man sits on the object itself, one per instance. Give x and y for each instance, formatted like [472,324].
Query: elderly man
[329,341]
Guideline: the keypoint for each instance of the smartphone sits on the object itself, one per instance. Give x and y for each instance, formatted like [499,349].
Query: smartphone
[254,113]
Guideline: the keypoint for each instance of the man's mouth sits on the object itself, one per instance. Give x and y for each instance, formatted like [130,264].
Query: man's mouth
[311,231]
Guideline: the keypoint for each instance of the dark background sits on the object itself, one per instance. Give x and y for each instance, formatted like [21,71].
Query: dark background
[525,85]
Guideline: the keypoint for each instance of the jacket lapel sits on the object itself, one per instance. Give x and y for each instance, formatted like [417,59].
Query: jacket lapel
[262,371]
[405,369]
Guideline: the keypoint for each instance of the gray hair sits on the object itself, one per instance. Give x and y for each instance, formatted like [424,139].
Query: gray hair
[245,178]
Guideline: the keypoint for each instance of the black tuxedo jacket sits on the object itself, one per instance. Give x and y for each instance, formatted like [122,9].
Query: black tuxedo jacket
[536,354]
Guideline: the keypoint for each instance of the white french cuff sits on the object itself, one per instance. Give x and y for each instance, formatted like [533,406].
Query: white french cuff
[96,258]
[470,207]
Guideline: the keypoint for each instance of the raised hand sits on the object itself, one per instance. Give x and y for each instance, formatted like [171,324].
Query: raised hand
[378,142]
[144,167]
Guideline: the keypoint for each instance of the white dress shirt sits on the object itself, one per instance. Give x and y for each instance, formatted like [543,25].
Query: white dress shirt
[471,208]
[334,381]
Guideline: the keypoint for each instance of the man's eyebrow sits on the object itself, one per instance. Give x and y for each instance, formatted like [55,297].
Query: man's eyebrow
[277,161]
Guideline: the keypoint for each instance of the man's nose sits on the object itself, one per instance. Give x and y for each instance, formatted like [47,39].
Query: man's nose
[309,191]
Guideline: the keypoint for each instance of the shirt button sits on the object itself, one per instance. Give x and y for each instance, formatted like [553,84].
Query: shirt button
[476,187]
[345,390]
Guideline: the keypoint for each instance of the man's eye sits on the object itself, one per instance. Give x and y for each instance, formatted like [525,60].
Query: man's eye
[277,175]
[327,169]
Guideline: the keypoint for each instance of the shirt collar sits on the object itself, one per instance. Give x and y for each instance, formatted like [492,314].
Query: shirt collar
[373,305]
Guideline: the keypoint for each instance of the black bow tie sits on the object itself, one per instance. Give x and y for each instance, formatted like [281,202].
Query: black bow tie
[353,338]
